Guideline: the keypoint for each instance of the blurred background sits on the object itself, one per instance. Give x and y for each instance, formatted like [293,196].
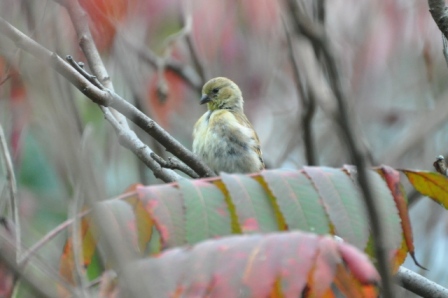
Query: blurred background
[391,64]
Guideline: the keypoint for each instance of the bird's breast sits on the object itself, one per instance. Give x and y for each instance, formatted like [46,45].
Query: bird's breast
[224,144]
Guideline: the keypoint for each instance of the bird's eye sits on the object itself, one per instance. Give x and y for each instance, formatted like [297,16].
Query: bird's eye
[215,91]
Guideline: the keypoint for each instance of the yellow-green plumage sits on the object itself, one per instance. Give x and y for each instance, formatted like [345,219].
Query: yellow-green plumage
[223,137]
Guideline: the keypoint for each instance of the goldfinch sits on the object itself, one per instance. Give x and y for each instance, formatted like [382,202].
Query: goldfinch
[223,137]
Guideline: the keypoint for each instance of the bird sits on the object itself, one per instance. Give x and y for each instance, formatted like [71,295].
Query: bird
[223,137]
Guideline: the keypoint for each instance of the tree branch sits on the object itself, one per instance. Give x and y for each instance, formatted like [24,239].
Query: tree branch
[128,139]
[316,34]
[174,164]
[81,24]
[308,104]
[105,98]
[439,14]
[419,285]
[11,178]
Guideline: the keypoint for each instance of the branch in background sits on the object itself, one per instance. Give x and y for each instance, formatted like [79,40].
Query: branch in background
[319,10]
[174,164]
[315,32]
[417,132]
[81,25]
[419,285]
[186,72]
[106,98]
[439,14]
[50,235]
[308,104]
[42,287]
[14,201]
[187,23]
[445,48]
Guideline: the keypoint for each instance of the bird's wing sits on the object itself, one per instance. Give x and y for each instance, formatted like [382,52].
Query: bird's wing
[242,119]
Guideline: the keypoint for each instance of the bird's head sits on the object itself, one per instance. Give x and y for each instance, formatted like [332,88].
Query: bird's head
[222,93]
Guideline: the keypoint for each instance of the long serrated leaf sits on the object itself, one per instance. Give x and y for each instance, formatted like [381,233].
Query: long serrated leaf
[388,210]
[164,203]
[343,203]
[298,200]
[254,210]
[251,266]
[206,212]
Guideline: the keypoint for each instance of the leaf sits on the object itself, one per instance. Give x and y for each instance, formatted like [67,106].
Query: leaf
[165,205]
[88,242]
[255,213]
[297,200]
[431,184]
[206,214]
[342,203]
[392,178]
[155,218]
[387,206]
[253,266]
[144,222]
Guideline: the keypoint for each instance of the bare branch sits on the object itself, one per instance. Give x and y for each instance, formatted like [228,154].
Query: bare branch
[315,32]
[80,22]
[50,235]
[174,164]
[308,104]
[186,72]
[440,15]
[106,98]
[128,139]
[7,245]
[12,191]
[419,285]
[417,133]
[187,22]
[81,70]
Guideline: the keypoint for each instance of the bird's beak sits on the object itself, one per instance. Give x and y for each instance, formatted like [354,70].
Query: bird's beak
[205,98]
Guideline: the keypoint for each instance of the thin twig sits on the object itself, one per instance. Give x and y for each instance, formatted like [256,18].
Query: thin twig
[308,104]
[174,164]
[106,98]
[46,239]
[186,72]
[315,32]
[187,22]
[7,77]
[80,68]
[12,191]
[319,7]
[27,274]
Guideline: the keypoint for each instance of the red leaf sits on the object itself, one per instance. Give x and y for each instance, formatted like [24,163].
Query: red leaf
[251,266]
